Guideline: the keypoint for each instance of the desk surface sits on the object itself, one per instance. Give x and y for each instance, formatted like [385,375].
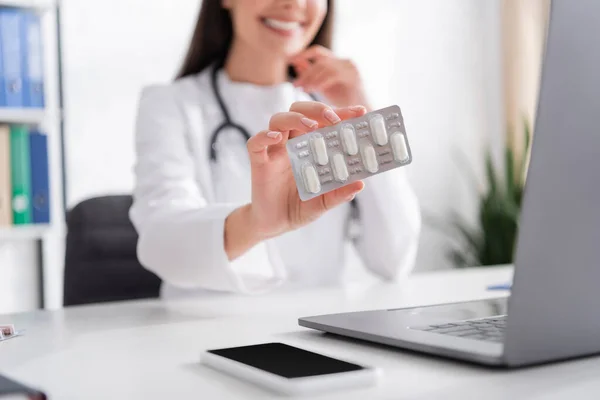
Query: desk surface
[150,349]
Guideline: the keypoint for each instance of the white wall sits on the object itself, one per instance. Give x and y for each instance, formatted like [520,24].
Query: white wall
[112,48]
[438,59]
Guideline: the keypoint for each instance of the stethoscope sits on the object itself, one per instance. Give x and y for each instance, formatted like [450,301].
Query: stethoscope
[228,123]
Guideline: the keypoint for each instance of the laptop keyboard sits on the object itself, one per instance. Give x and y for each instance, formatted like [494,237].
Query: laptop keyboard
[489,329]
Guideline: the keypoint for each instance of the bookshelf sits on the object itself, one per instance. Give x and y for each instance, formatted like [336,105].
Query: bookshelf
[47,240]
[22,116]
[27,232]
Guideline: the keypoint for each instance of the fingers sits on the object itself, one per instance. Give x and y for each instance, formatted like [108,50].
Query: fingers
[307,77]
[334,198]
[292,121]
[324,81]
[258,145]
[325,115]
[317,111]
[312,53]
[296,122]
[301,66]
[351,112]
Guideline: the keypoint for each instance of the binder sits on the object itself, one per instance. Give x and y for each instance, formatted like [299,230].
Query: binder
[20,174]
[2,78]
[40,188]
[10,38]
[32,60]
[5,187]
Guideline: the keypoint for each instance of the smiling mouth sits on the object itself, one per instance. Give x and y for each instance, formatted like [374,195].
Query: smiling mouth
[283,27]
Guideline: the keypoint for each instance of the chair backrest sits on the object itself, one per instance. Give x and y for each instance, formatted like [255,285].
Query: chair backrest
[101,263]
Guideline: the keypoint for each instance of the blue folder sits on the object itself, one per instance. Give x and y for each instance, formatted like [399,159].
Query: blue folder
[2,78]
[40,187]
[11,83]
[32,60]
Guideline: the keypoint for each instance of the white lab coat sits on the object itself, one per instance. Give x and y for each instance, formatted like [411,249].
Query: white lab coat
[181,198]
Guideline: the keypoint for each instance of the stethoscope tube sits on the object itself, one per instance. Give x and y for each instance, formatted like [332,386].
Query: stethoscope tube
[227,122]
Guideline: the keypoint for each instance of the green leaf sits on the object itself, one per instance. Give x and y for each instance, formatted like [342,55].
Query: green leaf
[510,173]
[462,259]
[527,139]
[491,173]
[471,238]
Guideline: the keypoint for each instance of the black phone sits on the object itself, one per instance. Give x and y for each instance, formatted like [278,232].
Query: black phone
[289,369]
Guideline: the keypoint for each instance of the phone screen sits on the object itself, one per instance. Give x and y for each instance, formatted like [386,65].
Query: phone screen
[286,361]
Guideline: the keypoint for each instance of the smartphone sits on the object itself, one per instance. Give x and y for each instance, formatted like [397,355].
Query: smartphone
[289,370]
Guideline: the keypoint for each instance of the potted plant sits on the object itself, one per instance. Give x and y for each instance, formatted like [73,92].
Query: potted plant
[492,240]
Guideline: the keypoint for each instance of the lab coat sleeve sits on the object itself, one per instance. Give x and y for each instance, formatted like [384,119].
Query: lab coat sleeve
[390,224]
[181,235]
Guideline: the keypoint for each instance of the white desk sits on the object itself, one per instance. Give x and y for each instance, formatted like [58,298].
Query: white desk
[150,349]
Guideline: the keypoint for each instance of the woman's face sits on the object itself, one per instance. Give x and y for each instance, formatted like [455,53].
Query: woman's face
[279,26]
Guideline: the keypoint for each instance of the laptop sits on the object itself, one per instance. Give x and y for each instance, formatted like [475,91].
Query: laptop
[552,313]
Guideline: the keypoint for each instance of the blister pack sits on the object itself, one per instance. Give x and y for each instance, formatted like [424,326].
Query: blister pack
[355,149]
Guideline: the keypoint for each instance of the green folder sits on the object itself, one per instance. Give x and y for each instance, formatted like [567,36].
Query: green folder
[20,174]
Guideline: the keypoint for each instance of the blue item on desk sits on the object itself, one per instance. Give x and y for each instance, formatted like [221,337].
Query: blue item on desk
[505,286]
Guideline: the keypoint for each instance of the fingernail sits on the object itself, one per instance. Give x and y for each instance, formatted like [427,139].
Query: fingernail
[357,108]
[272,134]
[331,116]
[351,197]
[309,122]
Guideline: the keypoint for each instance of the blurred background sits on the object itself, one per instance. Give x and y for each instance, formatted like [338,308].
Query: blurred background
[464,72]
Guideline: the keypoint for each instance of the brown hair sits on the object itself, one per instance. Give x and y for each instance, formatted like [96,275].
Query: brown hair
[214,32]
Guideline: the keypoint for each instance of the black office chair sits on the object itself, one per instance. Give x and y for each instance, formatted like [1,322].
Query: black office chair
[101,264]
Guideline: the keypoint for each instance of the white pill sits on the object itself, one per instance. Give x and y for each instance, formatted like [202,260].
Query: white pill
[378,130]
[370,158]
[340,171]
[399,147]
[311,179]
[320,150]
[349,140]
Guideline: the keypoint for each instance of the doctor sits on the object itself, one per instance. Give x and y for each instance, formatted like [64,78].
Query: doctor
[215,203]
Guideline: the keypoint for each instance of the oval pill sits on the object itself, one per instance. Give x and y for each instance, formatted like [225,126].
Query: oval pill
[378,130]
[320,150]
[349,141]
[370,158]
[399,147]
[340,171]
[311,179]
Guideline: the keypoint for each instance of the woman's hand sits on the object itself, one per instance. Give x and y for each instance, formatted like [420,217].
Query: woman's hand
[338,80]
[276,207]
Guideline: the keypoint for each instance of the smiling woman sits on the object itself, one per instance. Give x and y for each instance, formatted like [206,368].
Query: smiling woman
[264,29]
[235,222]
